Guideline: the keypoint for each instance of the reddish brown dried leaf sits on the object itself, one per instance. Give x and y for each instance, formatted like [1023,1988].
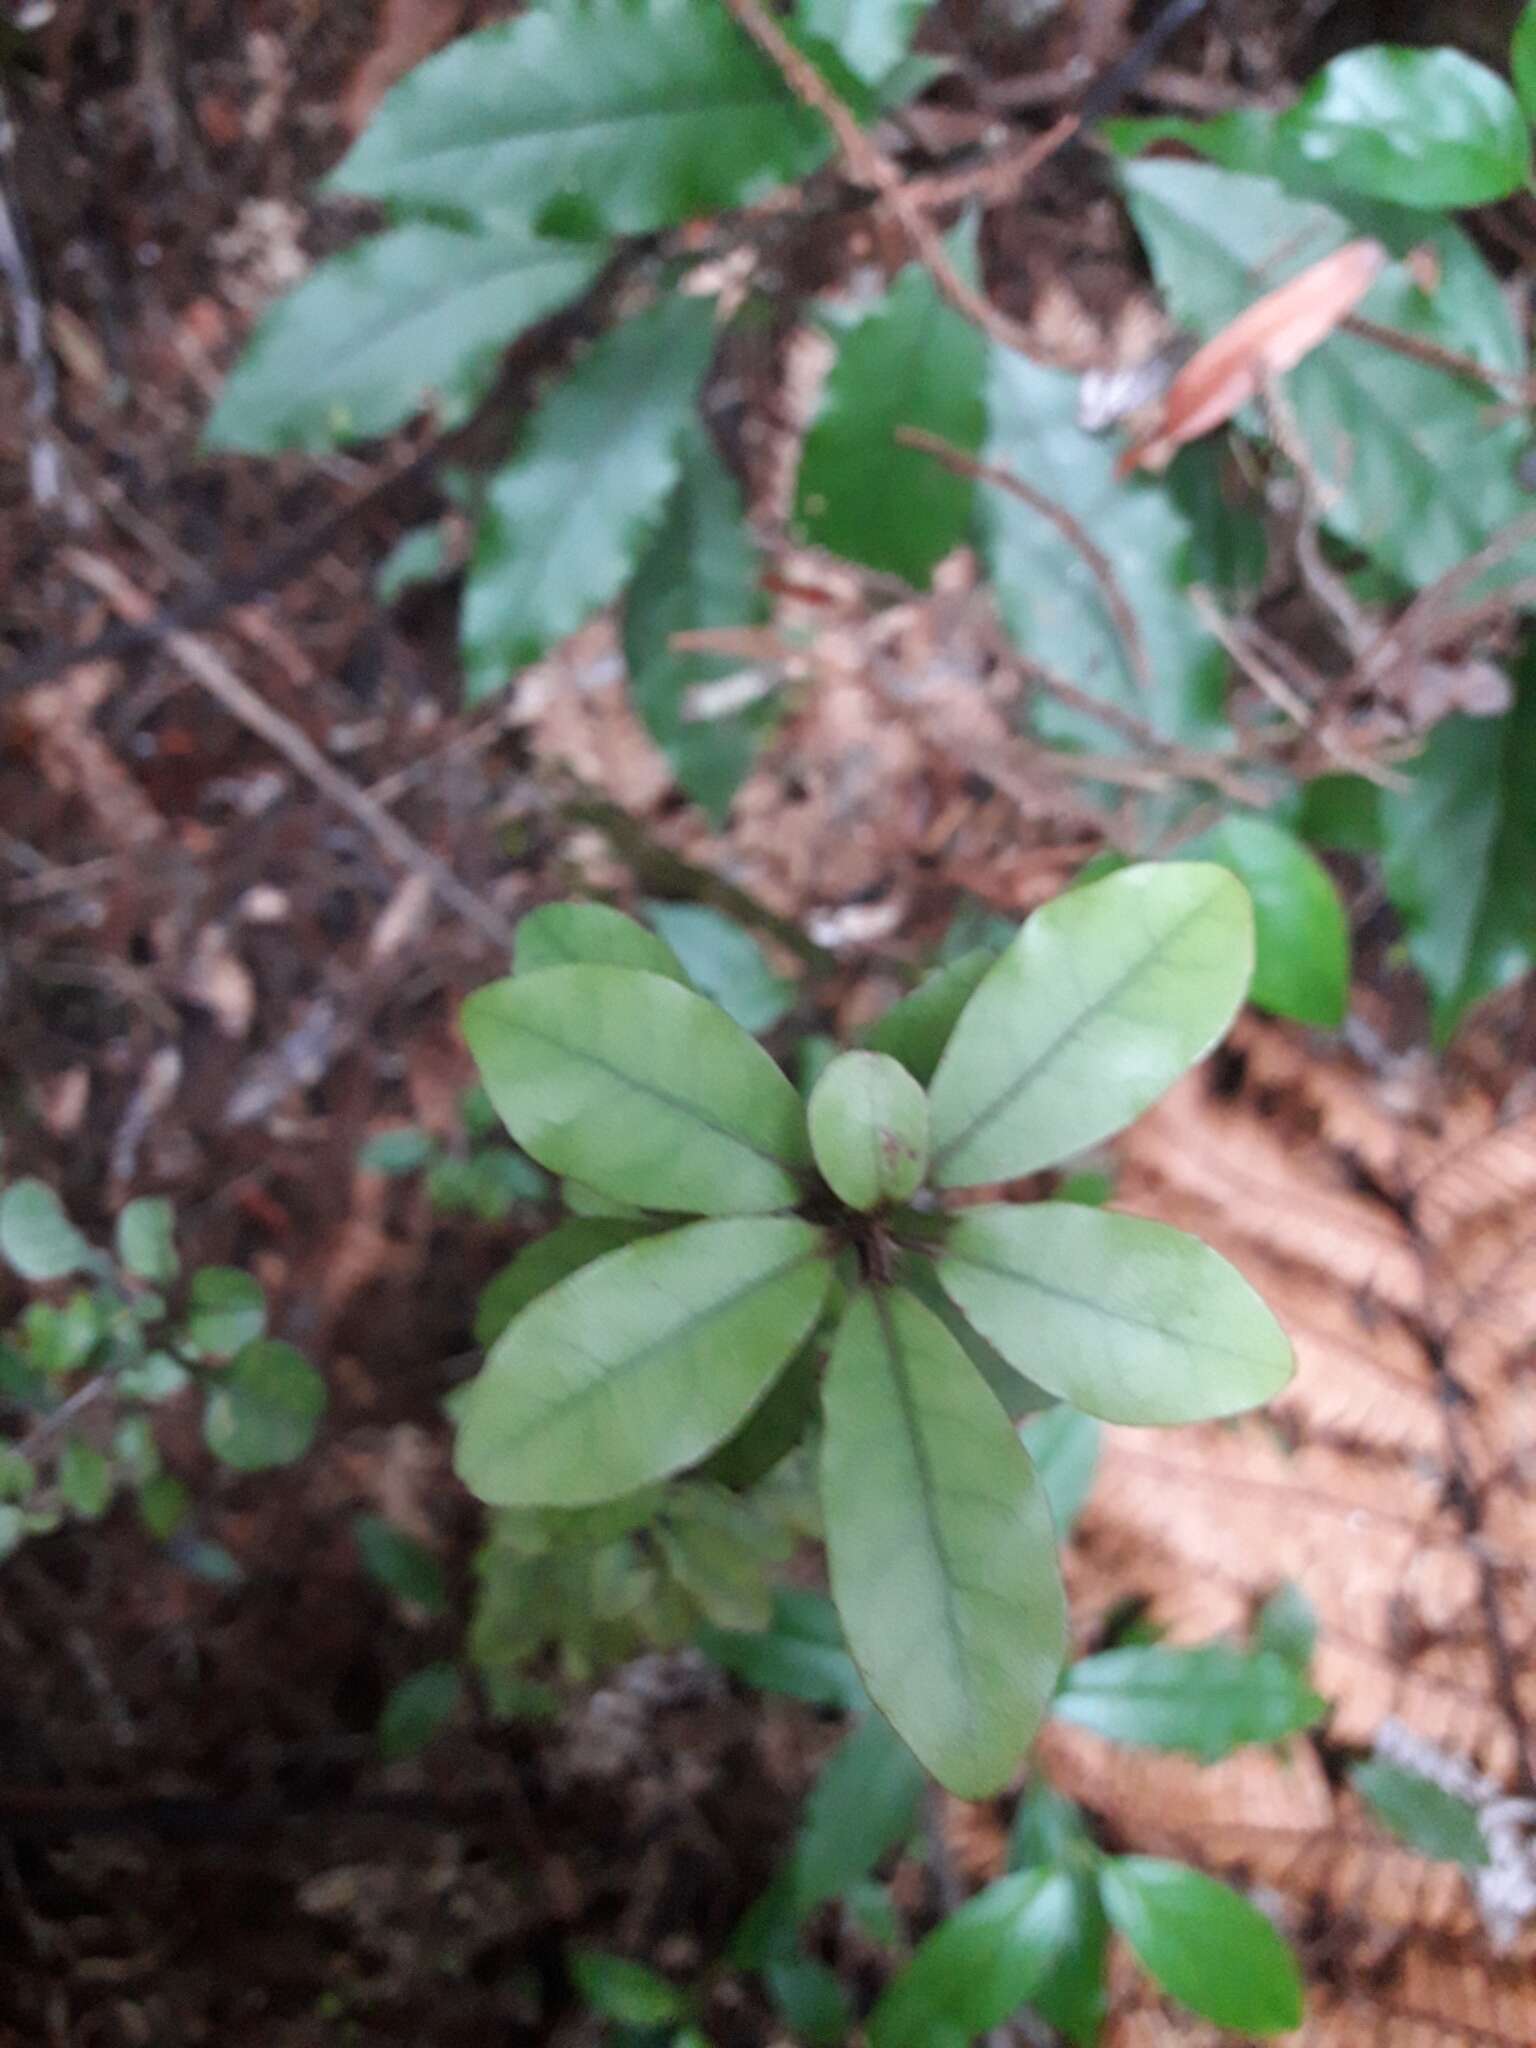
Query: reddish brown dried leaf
[1271,337]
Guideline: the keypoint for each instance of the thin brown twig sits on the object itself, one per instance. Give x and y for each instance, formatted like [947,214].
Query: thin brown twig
[1436,356]
[1071,530]
[1409,632]
[207,667]
[868,165]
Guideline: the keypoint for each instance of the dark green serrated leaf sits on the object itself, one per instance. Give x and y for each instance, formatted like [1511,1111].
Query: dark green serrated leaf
[939,1543]
[1127,1319]
[1425,128]
[1205,1945]
[911,361]
[725,963]
[1422,1814]
[617,115]
[400,1563]
[801,1654]
[639,1364]
[1415,473]
[700,571]
[916,1029]
[418,1710]
[1205,1702]
[37,1239]
[568,518]
[1301,935]
[1065,1448]
[868,1121]
[1105,997]
[548,1259]
[146,1239]
[641,1088]
[978,1966]
[418,315]
[1053,605]
[263,1409]
[591,935]
[1459,852]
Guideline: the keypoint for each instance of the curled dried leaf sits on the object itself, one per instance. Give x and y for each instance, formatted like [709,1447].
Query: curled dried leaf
[1271,337]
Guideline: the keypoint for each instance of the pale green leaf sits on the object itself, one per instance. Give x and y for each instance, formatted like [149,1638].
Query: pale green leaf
[538,1266]
[868,1122]
[1064,1445]
[724,963]
[916,1029]
[225,1309]
[1053,604]
[1301,935]
[37,1239]
[590,935]
[623,1990]
[400,1150]
[980,1964]
[1127,1319]
[700,571]
[940,1545]
[1286,1625]
[1015,1391]
[418,557]
[592,115]
[1206,1702]
[146,1239]
[419,314]
[1204,1944]
[1459,852]
[911,361]
[567,519]
[264,1407]
[639,1364]
[1105,997]
[639,1087]
[1421,1813]
[1431,128]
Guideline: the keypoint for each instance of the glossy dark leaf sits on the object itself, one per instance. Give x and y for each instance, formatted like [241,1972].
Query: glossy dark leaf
[1205,1702]
[620,115]
[863,1805]
[1204,1944]
[419,1709]
[569,517]
[911,361]
[1459,851]
[625,1991]
[1431,128]
[916,1029]
[725,963]
[1301,934]
[801,1654]
[1422,1814]
[401,1563]
[979,1965]
[700,571]
[418,315]
[1523,60]
[264,1407]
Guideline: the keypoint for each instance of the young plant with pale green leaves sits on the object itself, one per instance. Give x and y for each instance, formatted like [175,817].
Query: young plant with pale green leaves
[853,1219]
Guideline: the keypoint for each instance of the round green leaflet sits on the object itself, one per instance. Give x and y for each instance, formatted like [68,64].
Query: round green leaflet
[1129,1320]
[869,1130]
[1106,996]
[263,1409]
[640,1088]
[640,1363]
[940,1545]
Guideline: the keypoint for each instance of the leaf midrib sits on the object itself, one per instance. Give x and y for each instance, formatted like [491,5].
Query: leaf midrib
[1095,1306]
[550,1416]
[1005,1099]
[664,1095]
[911,1421]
